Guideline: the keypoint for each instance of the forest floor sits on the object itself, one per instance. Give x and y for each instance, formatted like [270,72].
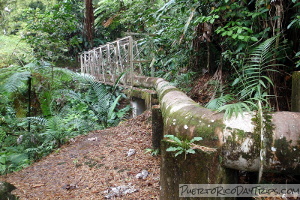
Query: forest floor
[95,166]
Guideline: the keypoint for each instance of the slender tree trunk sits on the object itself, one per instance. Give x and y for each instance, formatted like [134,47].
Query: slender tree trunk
[29,102]
[89,22]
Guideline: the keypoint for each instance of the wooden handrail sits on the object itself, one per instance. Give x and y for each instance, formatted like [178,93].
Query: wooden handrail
[113,58]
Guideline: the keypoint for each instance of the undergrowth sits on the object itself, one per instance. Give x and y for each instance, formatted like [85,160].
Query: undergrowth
[43,107]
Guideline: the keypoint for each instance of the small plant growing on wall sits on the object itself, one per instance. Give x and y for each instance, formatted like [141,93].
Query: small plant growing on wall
[153,152]
[185,146]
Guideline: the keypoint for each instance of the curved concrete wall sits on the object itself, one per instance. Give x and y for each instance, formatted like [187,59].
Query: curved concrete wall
[237,138]
[237,142]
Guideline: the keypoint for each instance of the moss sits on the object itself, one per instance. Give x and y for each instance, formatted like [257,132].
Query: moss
[286,153]
[254,152]
[238,137]
[268,128]
[235,141]
[240,133]
[256,134]
[296,92]
[188,125]
[141,93]
[200,168]
[166,91]
[149,96]
[206,129]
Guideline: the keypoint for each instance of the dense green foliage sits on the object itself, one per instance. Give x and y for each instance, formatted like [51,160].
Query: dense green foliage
[51,28]
[53,32]
[62,105]
[14,51]
[192,37]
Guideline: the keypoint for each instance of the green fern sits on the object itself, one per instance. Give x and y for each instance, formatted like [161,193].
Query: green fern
[63,74]
[252,83]
[16,81]
[216,103]
[181,146]
[38,120]
[233,110]
[98,99]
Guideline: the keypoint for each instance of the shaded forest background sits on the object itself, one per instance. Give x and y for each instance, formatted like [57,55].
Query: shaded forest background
[230,56]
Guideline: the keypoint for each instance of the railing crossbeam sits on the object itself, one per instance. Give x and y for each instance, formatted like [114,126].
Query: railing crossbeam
[109,61]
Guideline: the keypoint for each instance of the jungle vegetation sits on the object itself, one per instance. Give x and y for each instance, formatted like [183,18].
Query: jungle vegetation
[247,48]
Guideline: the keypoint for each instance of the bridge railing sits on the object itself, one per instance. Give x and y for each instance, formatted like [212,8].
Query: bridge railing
[107,62]
[227,143]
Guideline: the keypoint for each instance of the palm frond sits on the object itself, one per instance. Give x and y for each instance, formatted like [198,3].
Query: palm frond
[253,79]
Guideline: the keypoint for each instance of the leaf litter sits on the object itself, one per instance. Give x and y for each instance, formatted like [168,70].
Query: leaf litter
[95,166]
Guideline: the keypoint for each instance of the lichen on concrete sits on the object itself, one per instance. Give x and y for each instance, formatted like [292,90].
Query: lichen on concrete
[238,141]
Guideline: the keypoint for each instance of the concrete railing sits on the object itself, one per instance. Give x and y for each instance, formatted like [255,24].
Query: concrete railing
[237,141]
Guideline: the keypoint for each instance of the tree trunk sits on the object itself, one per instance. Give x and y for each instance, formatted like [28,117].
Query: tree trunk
[89,22]
[29,101]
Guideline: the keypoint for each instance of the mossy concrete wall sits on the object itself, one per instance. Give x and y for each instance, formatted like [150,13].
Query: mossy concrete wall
[237,141]
[296,92]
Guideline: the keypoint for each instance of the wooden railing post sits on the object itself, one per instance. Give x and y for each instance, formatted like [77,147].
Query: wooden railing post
[81,62]
[130,56]
[108,61]
[102,65]
[93,62]
[85,62]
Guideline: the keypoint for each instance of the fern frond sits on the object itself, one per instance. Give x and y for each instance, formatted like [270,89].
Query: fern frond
[38,120]
[63,74]
[84,78]
[99,90]
[219,102]
[16,81]
[7,72]
[234,110]
[252,80]
[54,124]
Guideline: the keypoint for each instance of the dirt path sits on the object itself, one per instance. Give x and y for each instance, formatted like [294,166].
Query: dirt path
[89,166]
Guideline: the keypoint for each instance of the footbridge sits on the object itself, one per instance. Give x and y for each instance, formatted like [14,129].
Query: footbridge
[245,143]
